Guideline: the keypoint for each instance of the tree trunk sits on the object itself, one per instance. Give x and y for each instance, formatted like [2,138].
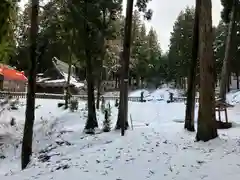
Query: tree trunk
[30,107]
[229,83]
[206,129]
[92,119]
[119,124]
[142,82]
[123,109]
[99,82]
[237,78]
[230,79]
[183,83]
[226,61]
[191,91]
[180,83]
[175,83]
[67,95]
[116,82]
[137,80]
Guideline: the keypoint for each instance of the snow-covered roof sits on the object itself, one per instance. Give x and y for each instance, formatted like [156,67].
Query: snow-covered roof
[42,79]
[72,82]
[62,68]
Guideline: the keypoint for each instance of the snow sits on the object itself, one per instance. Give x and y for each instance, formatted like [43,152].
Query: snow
[39,79]
[73,81]
[137,93]
[56,81]
[233,97]
[113,93]
[162,94]
[158,147]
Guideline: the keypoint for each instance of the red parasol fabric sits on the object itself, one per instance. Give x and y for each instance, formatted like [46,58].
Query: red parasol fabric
[12,74]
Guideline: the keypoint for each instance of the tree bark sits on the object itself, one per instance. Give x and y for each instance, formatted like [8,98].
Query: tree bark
[137,81]
[226,61]
[67,95]
[206,129]
[30,107]
[191,92]
[116,82]
[142,82]
[237,78]
[229,78]
[99,82]
[119,124]
[123,110]
[229,83]
[91,123]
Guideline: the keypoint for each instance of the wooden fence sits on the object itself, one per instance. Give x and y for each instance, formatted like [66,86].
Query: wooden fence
[23,95]
[184,99]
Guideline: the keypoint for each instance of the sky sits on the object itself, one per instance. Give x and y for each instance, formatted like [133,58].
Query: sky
[165,13]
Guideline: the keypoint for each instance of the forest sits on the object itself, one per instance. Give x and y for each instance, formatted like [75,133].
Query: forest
[94,35]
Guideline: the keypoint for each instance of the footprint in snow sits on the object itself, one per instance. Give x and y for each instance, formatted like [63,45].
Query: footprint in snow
[200,162]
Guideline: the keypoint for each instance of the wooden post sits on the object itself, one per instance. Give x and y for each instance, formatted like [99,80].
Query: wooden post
[226,116]
[219,114]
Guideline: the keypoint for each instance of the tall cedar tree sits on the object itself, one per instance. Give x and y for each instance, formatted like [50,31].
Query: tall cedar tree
[5,12]
[67,95]
[103,51]
[227,57]
[110,10]
[180,49]
[30,107]
[206,129]
[5,8]
[92,120]
[190,106]
[8,21]
[123,109]
[122,121]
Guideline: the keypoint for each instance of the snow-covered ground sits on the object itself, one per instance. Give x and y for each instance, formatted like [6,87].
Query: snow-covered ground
[233,97]
[160,94]
[156,148]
